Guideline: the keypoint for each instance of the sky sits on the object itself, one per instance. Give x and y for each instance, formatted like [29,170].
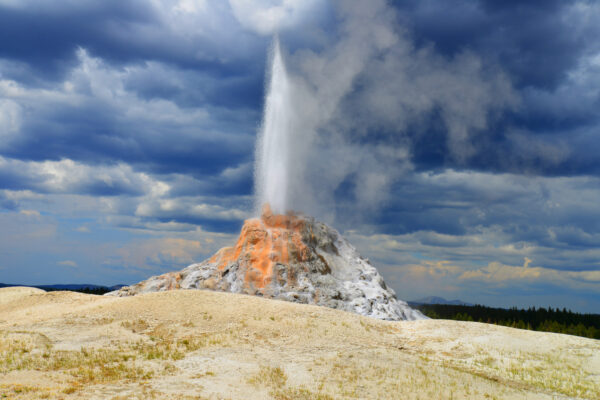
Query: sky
[455,143]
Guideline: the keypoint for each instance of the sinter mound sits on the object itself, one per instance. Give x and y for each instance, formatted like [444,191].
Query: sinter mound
[294,258]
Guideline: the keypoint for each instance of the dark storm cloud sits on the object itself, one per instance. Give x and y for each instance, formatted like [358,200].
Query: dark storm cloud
[95,133]
[536,41]
[119,56]
[553,219]
[541,45]
[172,66]
[47,36]
[189,88]
[108,124]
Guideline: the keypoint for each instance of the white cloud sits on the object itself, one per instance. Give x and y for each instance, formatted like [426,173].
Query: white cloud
[163,252]
[10,117]
[168,253]
[67,263]
[186,207]
[271,16]
[498,274]
[498,283]
[68,176]
[30,213]
[191,6]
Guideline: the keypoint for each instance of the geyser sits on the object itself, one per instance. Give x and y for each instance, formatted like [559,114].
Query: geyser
[280,254]
[289,257]
[273,144]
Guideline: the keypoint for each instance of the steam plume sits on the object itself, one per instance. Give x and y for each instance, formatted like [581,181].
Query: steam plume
[339,124]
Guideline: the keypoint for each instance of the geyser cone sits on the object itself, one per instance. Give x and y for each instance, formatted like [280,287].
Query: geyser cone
[294,258]
[273,146]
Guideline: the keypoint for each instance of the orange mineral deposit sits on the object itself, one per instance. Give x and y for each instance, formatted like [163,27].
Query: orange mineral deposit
[263,243]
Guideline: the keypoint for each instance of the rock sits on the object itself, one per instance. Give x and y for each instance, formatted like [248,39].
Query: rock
[289,257]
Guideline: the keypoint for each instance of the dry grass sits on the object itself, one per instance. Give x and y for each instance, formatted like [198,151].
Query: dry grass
[22,351]
[276,380]
[196,344]
[551,372]
[122,362]
[136,326]
[269,376]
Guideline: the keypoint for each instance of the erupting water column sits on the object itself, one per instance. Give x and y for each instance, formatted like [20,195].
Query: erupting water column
[273,144]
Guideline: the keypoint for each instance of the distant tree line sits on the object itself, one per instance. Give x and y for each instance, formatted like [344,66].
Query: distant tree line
[99,290]
[536,319]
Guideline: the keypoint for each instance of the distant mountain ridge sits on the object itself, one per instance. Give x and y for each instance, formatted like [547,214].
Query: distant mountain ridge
[72,286]
[440,300]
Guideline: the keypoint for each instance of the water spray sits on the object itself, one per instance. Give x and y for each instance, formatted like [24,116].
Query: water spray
[272,172]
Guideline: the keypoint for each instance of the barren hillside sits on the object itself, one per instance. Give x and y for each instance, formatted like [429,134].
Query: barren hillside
[202,344]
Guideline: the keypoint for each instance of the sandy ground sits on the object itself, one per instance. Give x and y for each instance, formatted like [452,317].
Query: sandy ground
[208,345]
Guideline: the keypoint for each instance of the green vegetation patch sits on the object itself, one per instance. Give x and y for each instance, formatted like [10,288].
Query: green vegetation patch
[536,319]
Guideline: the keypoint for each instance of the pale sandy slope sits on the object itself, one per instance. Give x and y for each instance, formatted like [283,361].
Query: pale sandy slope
[202,344]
